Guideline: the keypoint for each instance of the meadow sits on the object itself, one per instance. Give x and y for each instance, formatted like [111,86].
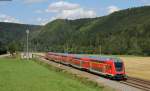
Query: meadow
[22,75]
[137,66]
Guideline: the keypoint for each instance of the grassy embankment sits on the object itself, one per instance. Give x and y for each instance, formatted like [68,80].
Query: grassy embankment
[20,75]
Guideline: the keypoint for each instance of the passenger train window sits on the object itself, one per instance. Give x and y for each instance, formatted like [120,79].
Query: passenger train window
[118,66]
[108,67]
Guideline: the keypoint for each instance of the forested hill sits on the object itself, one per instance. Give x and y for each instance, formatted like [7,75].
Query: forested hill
[123,32]
[12,32]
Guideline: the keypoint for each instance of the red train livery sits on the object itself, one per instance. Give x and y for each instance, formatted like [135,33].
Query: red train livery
[110,67]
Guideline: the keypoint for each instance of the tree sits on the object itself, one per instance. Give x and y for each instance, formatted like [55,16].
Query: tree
[2,49]
[12,48]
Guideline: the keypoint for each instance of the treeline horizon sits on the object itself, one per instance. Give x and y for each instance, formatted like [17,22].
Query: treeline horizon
[125,32]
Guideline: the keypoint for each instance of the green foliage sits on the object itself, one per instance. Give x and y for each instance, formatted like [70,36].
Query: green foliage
[3,49]
[12,32]
[123,32]
[12,48]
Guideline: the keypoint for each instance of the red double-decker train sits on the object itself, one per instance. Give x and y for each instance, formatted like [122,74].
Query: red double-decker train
[113,68]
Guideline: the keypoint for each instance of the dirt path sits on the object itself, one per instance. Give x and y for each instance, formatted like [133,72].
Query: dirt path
[4,55]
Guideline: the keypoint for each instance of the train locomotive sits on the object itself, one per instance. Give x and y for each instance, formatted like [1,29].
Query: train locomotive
[112,68]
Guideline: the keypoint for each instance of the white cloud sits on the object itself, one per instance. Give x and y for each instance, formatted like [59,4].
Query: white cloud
[76,14]
[61,5]
[112,9]
[33,1]
[39,19]
[144,2]
[43,21]
[66,10]
[69,14]
[6,18]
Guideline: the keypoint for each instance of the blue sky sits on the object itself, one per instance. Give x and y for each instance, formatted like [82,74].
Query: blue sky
[44,11]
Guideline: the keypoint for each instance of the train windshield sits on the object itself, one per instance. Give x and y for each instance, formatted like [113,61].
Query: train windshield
[118,66]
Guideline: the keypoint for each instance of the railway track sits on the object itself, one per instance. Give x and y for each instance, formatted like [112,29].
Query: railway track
[137,83]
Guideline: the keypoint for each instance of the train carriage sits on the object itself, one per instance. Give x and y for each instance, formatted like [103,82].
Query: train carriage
[76,62]
[85,63]
[111,67]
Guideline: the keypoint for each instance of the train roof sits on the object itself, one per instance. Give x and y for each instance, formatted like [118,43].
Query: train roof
[99,58]
[108,59]
[96,58]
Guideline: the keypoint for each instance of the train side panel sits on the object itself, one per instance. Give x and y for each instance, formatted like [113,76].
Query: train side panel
[109,68]
[85,63]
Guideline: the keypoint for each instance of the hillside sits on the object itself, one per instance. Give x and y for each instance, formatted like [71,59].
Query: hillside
[12,32]
[123,32]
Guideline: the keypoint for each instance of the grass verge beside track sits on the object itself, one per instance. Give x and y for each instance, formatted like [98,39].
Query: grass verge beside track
[22,75]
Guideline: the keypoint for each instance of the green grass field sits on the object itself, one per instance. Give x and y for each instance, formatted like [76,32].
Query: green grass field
[21,75]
